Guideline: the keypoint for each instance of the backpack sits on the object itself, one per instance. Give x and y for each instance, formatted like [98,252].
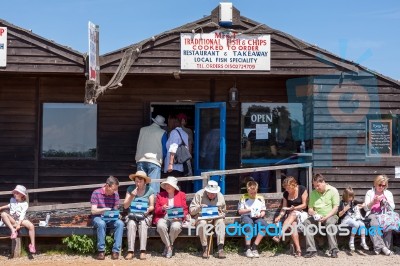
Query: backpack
[183,156]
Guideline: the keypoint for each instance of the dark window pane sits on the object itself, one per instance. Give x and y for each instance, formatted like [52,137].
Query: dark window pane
[69,130]
[271,132]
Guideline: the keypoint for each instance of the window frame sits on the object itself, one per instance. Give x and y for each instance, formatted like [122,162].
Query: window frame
[41,157]
[384,118]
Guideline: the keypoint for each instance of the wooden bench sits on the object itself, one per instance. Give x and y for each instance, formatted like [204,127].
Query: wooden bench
[76,220]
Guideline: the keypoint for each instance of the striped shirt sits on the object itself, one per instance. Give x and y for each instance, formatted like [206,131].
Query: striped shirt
[102,200]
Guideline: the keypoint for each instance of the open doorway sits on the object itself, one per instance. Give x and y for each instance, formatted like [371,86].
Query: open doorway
[183,110]
[174,108]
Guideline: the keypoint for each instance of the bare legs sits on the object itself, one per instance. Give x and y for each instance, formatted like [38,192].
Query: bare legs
[11,223]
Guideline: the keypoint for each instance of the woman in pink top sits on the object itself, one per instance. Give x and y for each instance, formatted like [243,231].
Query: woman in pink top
[375,199]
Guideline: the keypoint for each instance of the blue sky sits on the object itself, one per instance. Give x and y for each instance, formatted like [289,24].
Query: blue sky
[366,32]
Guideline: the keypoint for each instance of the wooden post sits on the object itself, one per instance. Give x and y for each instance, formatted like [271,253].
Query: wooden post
[278,181]
[309,179]
[205,179]
[16,247]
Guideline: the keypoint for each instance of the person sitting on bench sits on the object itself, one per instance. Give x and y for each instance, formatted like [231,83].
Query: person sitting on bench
[105,199]
[207,197]
[322,207]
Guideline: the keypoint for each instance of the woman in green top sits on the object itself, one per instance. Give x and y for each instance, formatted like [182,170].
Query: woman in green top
[139,192]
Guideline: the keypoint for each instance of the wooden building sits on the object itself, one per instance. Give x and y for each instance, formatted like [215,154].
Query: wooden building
[339,101]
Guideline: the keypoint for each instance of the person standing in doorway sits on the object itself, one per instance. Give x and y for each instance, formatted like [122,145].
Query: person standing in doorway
[151,149]
[176,137]
[182,118]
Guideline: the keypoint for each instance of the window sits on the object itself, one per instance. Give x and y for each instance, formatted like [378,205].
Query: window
[69,130]
[271,133]
[383,135]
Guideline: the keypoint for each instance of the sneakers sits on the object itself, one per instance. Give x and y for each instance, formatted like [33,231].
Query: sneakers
[255,253]
[164,253]
[387,251]
[310,254]
[168,255]
[351,245]
[249,253]
[32,249]
[364,246]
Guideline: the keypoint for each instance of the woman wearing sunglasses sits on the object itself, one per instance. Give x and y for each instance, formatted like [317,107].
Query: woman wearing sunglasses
[375,201]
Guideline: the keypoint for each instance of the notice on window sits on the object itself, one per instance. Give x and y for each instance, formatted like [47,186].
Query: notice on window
[397,172]
[262,131]
[3,46]
[380,137]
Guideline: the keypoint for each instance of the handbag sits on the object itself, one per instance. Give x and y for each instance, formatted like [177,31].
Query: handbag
[182,154]
[388,219]
[136,216]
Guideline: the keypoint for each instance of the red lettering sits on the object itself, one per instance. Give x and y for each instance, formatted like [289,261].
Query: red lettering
[2,31]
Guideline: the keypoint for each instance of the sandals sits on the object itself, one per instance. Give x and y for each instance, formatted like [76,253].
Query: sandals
[297,253]
[32,249]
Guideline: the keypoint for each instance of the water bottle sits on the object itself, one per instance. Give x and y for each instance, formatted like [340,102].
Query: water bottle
[303,147]
[47,218]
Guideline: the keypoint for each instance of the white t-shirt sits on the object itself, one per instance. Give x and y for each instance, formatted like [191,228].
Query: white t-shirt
[18,209]
[256,205]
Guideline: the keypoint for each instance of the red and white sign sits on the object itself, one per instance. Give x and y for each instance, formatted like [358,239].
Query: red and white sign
[93,51]
[225,50]
[3,46]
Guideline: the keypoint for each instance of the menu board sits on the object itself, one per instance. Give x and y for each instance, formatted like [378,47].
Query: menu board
[380,137]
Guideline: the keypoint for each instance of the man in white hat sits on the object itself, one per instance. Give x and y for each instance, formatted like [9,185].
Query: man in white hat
[210,196]
[151,149]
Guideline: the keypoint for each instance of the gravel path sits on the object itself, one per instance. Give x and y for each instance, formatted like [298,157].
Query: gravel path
[181,258]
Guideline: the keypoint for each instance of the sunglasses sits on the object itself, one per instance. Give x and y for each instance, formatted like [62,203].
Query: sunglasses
[380,185]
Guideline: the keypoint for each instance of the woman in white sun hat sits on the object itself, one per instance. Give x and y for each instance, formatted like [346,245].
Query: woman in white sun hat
[16,217]
[172,197]
[138,193]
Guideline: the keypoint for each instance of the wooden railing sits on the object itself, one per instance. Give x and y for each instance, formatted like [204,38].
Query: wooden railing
[205,176]
[278,173]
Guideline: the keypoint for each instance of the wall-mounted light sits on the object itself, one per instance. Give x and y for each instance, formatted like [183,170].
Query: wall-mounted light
[177,74]
[233,96]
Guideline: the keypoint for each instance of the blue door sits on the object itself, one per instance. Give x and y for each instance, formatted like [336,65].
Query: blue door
[209,143]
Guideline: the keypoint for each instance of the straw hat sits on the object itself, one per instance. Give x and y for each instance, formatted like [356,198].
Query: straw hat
[20,189]
[159,120]
[140,174]
[212,187]
[171,180]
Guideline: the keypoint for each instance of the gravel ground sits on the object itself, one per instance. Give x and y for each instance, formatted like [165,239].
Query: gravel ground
[181,258]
